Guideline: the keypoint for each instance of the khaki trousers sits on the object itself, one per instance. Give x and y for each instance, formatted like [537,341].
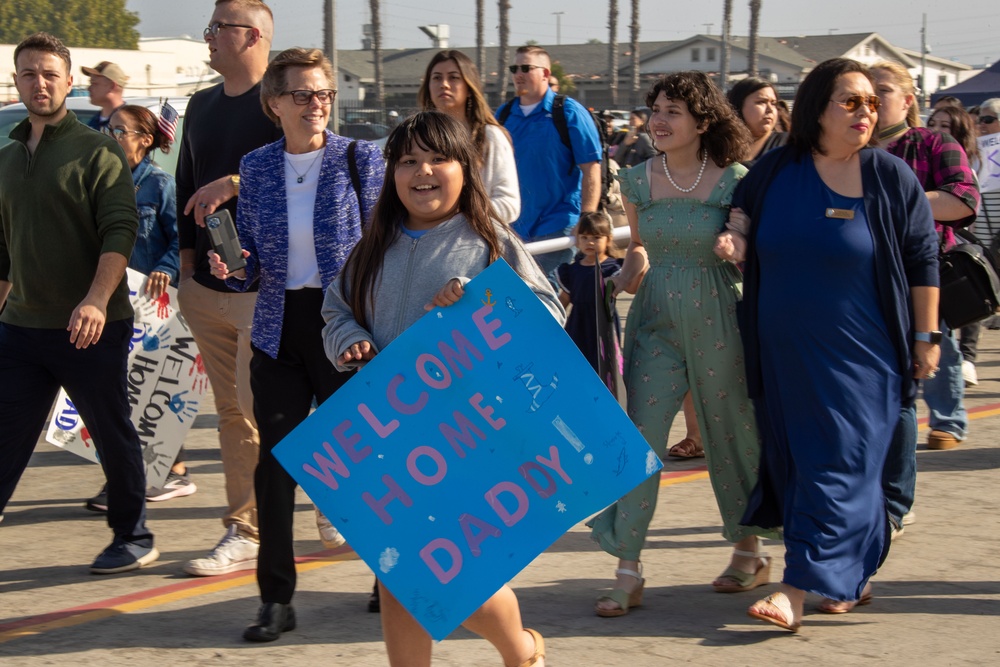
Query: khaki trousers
[220,323]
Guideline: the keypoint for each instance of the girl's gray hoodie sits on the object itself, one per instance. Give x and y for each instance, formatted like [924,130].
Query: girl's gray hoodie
[413,271]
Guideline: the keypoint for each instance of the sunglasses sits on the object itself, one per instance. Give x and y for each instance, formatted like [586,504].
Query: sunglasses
[986,120]
[854,102]
[304,97]
[214,29]
[524,68]
[119,133]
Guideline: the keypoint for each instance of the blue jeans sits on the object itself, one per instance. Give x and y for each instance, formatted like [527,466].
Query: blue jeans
[551,261]
[945,392]
[899,475]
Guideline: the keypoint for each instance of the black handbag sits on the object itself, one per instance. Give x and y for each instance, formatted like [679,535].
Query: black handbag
[970,287]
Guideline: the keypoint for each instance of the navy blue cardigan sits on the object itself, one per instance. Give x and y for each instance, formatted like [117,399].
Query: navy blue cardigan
[906,250]
[262,223]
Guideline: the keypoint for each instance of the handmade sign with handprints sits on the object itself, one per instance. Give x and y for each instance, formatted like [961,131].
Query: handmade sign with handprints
[166,385]
[466,448]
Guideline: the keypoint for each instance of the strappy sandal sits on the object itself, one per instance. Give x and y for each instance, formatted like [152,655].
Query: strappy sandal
[624,599]
[745,581]
[539,649]
[778,610]
[686,449]
[828,606]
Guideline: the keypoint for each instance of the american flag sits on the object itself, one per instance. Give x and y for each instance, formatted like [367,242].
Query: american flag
[168,120]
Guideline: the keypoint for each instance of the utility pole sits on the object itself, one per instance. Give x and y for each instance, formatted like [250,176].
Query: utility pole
[330,43]
[558,16]
[923,64]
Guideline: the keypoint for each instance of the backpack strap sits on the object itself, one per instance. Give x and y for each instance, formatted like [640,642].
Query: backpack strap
[352,167]
[505,110]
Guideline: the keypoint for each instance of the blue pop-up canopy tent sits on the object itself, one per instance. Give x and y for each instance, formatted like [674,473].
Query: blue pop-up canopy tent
[975,90]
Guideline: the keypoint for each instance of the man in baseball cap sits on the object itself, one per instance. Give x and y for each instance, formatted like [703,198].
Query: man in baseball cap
[107,90]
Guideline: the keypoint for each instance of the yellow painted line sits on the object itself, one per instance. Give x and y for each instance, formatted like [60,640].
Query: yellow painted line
[703,474]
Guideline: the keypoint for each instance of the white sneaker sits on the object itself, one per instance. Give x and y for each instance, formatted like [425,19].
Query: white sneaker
[909,518]
[232,554]
[969,373]
[328,534]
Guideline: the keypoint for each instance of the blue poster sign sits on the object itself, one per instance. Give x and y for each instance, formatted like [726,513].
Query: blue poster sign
[465,448]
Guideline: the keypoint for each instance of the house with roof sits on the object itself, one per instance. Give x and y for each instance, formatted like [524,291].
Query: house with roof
[783,60]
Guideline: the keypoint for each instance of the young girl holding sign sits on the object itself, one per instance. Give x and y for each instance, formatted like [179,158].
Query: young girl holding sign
[432,230]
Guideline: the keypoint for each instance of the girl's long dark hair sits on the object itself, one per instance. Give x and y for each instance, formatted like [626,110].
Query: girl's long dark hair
[433,131]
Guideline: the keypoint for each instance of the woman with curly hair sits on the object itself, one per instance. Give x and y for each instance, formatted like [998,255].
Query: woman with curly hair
[681,332]
[451,84]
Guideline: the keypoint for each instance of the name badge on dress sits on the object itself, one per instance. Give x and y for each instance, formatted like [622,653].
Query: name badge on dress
[840,213]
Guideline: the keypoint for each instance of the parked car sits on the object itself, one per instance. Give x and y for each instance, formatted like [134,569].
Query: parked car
[13,114]
[369,131]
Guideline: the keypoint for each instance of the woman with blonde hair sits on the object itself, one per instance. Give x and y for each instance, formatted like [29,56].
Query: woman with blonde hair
[451,84]
[942,168]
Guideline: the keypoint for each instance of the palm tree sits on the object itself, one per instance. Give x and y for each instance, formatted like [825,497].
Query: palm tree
[480,46]
[504,6]
[727,21]
[377,52]
[752,46]
[613,49]
[635,48]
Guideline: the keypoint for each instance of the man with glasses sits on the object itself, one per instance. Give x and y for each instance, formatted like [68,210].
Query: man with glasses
[557,183]
[68,223]
[222,124]
[107,90]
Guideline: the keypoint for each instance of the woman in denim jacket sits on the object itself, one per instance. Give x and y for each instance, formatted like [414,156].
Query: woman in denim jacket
[156,250]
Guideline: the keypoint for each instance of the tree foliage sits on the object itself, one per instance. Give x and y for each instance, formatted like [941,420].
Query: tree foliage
[566,85]
[78,23]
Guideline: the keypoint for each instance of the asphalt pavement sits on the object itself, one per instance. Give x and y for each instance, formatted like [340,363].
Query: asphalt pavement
[936,600]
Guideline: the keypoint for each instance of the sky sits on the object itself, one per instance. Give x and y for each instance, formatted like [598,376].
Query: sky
[972,37]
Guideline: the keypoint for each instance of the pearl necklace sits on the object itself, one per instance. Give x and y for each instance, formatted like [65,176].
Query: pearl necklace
[701,172]
[302,176]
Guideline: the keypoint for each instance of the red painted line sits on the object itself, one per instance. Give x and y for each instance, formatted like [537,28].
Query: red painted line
[682,473]
[185,585]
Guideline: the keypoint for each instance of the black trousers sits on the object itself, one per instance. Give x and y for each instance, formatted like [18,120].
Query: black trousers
[34,363]
[283,393]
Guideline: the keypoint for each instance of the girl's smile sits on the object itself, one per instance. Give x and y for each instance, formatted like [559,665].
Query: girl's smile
[429,186]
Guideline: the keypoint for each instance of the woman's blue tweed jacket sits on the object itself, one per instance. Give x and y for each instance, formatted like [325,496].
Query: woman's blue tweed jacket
[262,222]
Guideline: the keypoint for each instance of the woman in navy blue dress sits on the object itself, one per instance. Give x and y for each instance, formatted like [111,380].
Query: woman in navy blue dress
[840,307]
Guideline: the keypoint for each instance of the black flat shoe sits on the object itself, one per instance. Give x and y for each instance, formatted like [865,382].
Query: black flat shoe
[374,603]
[273,618]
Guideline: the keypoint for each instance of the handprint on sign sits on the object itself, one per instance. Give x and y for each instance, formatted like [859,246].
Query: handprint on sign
[155,460]
[200,383]
[152,342]
[162,306]
[184,409]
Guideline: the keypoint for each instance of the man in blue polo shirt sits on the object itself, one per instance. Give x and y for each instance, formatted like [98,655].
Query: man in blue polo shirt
[556,184]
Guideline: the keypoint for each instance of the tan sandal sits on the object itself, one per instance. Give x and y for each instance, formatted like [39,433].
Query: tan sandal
[830,606]
[686,449]
[624,599]
[539,649]
[745,581]
[776,608]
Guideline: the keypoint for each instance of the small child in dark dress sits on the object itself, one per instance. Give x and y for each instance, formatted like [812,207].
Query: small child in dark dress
[579,285]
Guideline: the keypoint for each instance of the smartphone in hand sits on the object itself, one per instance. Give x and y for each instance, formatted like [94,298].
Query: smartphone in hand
[225,241]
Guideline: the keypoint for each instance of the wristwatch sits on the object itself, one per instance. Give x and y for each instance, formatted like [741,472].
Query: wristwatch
[932,337]
[236,184]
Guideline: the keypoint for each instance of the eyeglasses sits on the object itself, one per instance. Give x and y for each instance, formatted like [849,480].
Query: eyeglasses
[119,133]
[986,120]
[214,28]
[304,97]
[854,102]
[524,68]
